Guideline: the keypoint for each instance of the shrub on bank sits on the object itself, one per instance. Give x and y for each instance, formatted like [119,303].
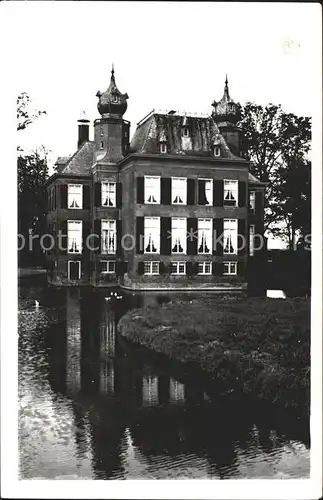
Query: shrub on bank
[259,346]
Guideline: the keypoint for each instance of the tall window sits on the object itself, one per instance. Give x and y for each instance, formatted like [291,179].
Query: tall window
[230,236]
[179,190]
[251,239]
[109,236]
[185,132]
[205,268]
[108,266]
[152,189]
[229,267]
[75,196]
[178,267]
[217,151]
[204,244]
[152,235]
[205,192]
[252,201]
[108,193]
[179,235]
[231,193]
[74,236]
[151,267]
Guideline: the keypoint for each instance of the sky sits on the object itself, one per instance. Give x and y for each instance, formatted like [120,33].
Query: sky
[167,55]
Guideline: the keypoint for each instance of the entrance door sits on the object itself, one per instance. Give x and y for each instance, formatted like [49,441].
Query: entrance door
[74,269]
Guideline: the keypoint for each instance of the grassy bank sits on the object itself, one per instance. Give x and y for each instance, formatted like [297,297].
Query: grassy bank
[258,346]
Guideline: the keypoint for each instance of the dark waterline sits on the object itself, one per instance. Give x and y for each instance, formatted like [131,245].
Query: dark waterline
[92,407]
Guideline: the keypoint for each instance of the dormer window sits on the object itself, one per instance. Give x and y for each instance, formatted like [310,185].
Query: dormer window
[217,151]
[163,148]
[185,132]
[115,98]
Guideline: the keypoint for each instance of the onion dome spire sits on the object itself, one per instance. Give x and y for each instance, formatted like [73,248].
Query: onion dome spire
[112,102]
[226,110]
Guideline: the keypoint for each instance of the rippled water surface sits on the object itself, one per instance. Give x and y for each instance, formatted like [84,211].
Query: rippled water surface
[92,407]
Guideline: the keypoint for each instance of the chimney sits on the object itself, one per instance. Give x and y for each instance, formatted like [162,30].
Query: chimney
[83,130]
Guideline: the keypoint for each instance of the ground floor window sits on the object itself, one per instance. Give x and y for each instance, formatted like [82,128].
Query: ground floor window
[178,267]
[151,267]
[74,269]
[108,266]
[230,267]
[205,268]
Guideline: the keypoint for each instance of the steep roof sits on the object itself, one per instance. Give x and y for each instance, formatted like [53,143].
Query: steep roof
[202,137]
[81,161]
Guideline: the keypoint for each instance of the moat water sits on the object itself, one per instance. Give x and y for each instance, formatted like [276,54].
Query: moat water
[92,407]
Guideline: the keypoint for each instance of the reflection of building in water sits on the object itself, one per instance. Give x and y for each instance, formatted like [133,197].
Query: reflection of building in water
[108,332]
[107,376]
[176,391]
[73,341]
[149,390]
[107,349]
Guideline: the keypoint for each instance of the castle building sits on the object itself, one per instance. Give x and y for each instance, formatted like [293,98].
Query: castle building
[175,208]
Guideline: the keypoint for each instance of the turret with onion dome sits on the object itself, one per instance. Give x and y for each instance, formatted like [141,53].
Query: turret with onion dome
[226,110]
[112,102]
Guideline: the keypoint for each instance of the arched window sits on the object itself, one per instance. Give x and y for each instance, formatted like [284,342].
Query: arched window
[217,151]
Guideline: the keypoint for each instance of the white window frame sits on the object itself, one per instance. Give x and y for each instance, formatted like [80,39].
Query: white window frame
[106,250]
[227,190]
[152,189]
[217,151]
[232,236]
[232,268]
[178,264]
[150,265]
[152,234]
[210,190]
[115,98]
[69,269]
[108,191]
[77,196]
[252,230]
[79,224]
[179,190]
[179,234]
[204,228]
[252,201]
[108,264]
[163,148]
[205,264]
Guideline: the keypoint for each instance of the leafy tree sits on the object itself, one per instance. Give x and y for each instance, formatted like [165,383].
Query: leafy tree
[32,175]
[25,114]
[277,143]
